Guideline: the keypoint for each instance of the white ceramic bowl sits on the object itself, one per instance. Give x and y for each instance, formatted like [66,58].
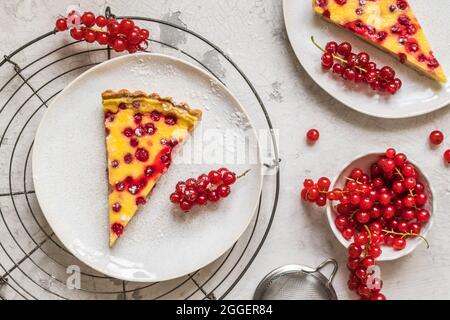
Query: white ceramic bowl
[364,162]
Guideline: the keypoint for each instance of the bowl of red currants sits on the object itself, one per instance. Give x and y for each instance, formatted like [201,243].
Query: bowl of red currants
[382,202]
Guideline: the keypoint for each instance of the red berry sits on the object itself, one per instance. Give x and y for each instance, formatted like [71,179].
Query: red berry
[102,38]
[387,73]
[354,251]
[312,135]
[344,49]
[180,187]
[223,190]
[362,217]
[113,26]
[423,216]
[213,196]
[116,207]
[447,156]
[185,205]
[436,137]
[374,251]
[117,229]
[88,19]
[324,184]
[190,194]
[77,33]
[140,201]
[363,59]
[61,24]
[313,194]
[125,26]
[101,21]
[175,197]
[119,45]
[347,233]
[142,154]
[90,36]
[399,244]
[331,47]
[229,177]
[349,74]
[201,200]
[144,33]
[361,238]
[327,60]
[214,177]
[338,68]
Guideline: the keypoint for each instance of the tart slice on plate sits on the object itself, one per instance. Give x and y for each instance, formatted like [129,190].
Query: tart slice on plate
[388,24]
[141,133]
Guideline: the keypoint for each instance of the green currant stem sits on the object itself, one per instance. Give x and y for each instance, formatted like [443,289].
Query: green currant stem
[407,234]
[243,174]
[335,56]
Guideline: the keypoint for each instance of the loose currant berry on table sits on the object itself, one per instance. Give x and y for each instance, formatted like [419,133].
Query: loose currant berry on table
[436,137]
[447,156]
[312,135]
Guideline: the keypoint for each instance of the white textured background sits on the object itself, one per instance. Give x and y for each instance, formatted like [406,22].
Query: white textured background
[252,32]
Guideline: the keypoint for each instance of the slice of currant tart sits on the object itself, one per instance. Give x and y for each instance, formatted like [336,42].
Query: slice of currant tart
[388,24]
[141,133]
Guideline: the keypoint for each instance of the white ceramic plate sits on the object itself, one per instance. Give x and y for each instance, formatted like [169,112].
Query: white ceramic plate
[160,243]
[419,95]
[388,253]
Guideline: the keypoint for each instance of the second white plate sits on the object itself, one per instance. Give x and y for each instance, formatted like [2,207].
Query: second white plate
[419,95]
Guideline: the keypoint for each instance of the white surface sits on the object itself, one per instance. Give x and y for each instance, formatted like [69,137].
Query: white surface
[300,233]
[364,162]
[160,243]
[418,95]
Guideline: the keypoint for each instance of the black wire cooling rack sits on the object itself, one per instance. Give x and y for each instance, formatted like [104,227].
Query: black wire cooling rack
[33,263]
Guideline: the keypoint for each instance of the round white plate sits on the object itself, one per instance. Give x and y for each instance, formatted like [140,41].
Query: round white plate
[419,95]
[160,243]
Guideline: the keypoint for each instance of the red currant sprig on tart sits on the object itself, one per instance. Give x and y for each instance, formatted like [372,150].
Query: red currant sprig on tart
[119,35]
[207,187]
[385,206]
[357,67]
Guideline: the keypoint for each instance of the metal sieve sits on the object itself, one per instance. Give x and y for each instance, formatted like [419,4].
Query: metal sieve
[296,282]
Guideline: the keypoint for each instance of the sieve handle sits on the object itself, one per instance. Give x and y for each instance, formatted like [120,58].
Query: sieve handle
[335,268]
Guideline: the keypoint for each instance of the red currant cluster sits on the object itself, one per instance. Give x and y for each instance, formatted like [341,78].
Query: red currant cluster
[358,68]
[437,137]
[382,207]
[207,187]
[120,36]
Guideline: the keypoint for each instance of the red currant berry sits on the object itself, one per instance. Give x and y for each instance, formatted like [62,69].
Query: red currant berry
[119,45]
[331,47]
[144,33]
[133,38]
[88,19]
[387,73]
[327,60]
[399,244]
[214,177]
[113,26]
[308,183]
[312,135]
[223,190]
[423,216]
[185,205]
[102,38]
[101,21]
[374,251]
[125,26]
[338,68]
[77,33]
[347,233]
[213,196]
[90,36]
[349,74]
[228,177]
[201,200]
[324,184]
[313,194]
[61,24]
[344,49]
[361,239]
[447,156]
[354,251]
[175,197]
[436,137]
[362,217]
